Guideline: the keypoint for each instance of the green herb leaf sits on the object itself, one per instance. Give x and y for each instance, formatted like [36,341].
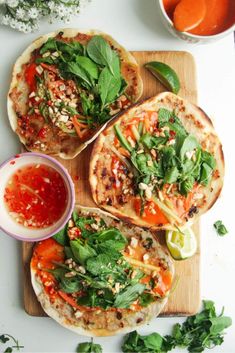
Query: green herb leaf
[206,173]
[79,71]
[48,46]
[171,175]
[189,144]
[220,228]
[4,338]
[89,347]
[81,252]
[128,296]
[70,285]
[187,185]
[150,141]
[88,65]
[61,237]
[146,299]
[198,332]
[108,86]
[100,52]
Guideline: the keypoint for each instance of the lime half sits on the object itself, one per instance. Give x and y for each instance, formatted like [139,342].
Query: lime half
[181,245]
[165,74]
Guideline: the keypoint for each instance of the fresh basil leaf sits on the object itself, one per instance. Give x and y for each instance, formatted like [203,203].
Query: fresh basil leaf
[86,103]
[108,86]
[145,299]
[81,252]
[206,173]
[219,324]
[48,46]
[220,228]
[208,159]
[62,237]
[47,60]
[8,350]
[164,116]
[153,341]
[100,264]
[70,50]
[171,175]
[188,166]
[190,143]
[4,338]
[150,141]
[70,285]
[100,52]
[187,185]
[88,65]
[89,347]
[128,295]
[79,71]
[111,234]
[58,273]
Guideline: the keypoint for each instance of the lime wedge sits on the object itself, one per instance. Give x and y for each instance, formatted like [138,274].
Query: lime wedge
[181,245]
[165,74]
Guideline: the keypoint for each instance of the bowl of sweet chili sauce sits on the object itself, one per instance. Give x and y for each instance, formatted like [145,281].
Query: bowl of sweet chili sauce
[37,196]
[198,21]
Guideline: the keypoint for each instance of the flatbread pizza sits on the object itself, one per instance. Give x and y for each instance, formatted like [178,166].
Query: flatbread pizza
[99,276]
[158,165]
[66,86]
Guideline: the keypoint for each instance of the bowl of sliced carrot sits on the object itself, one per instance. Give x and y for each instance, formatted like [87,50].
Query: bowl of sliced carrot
[198,21]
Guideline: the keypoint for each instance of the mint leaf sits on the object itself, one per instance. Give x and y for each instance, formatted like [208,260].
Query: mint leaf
[220,228]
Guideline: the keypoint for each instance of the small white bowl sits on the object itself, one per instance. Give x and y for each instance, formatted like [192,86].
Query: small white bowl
[7,223]
[188,37]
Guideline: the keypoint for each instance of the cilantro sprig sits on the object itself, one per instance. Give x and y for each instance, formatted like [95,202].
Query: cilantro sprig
[6,338]
[199,332]
[220,228]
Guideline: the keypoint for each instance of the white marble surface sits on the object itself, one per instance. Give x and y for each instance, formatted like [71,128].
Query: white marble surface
[135,24]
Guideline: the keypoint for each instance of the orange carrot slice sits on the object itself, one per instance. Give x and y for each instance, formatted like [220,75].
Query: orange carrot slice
[189,14]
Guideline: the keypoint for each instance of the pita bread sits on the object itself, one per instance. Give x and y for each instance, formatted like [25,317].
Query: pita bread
[61,143]
[196,122]
[101,322]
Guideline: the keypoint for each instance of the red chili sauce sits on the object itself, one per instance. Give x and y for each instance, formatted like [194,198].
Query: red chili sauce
[36,196]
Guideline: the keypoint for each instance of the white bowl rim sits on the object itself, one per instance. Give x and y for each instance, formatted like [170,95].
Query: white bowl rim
[64,174]
[190,35]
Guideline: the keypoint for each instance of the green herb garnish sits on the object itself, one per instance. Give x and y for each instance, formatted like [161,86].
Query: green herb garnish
[95,68]
[175,158]
[4,338]
[220,228]
[89,347]
[102,273]
[199,332]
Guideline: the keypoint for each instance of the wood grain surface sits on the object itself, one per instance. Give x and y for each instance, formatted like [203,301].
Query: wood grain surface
[185,298]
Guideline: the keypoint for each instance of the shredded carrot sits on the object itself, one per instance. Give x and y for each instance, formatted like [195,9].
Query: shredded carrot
[69,300]
[81,129]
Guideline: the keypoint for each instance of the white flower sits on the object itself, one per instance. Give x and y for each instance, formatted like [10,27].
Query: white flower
[14,23]
[20,13]
[61,10]
[12,3]
[28,28]
[21,26]
[51,5]
[6,20]
[33,13]
[67,20]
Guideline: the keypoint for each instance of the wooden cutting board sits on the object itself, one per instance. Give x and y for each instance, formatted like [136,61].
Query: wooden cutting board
[185,298]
